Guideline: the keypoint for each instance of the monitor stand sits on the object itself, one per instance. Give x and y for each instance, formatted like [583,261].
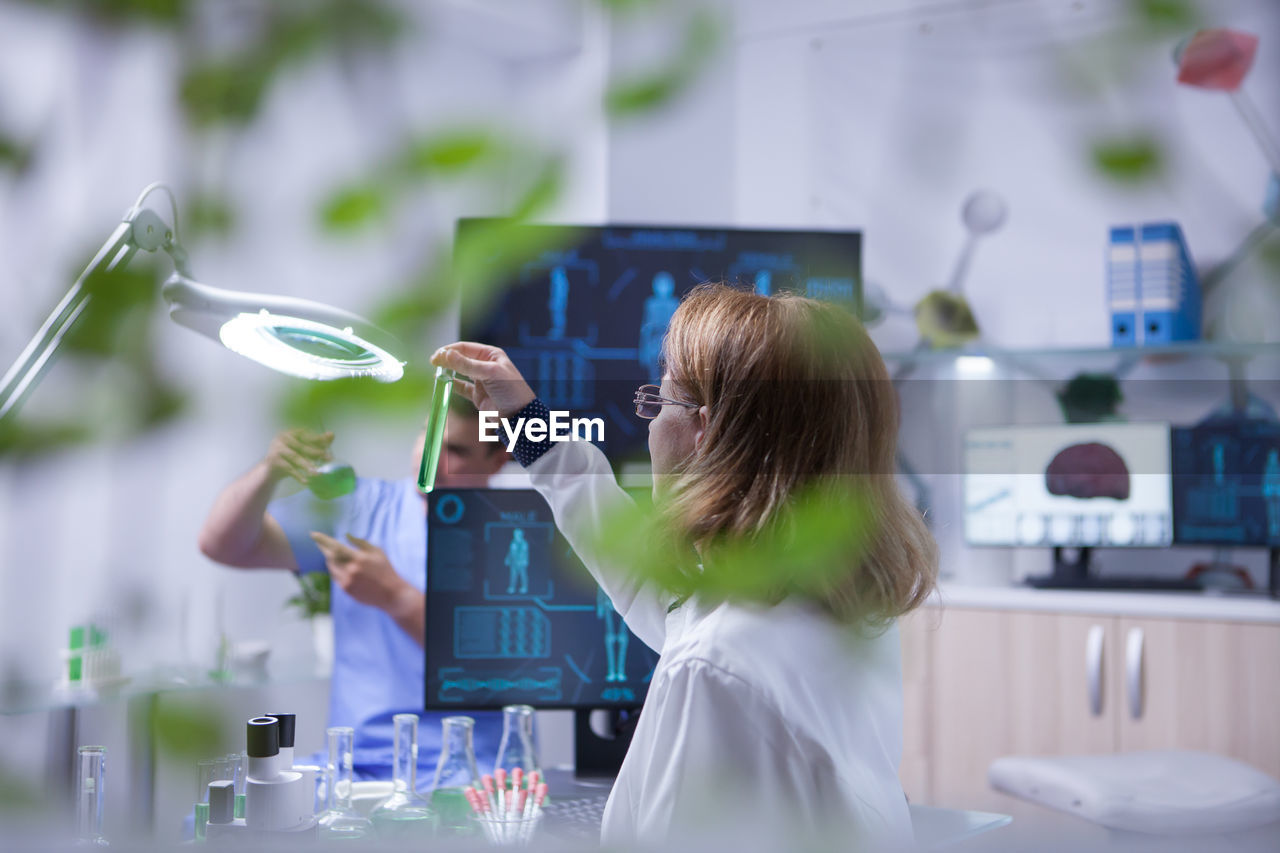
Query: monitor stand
[1075,574]
[597,759]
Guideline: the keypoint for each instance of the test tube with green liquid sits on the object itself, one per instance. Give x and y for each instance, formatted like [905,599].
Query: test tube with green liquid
[436,418]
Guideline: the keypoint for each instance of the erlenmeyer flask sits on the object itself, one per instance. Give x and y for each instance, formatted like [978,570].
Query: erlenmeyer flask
[340,821]
[516,748]
[455,772]
[332,480]
[404,814]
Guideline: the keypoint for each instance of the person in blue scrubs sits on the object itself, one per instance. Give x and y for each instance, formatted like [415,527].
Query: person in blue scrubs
[373,543]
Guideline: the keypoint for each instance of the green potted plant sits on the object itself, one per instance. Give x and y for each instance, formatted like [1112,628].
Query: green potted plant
[312,603]
[1090,398]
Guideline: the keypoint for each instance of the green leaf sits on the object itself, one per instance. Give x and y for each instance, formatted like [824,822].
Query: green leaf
[314,598]
[208,214]
[1128,160]
[14,155]
[628,7]
[804,549]
[449,152]
[224,91]
[485,257]
[354,207]
[1180,16]
[118,313]
[644,94]
[29,439]
[327,402]
[541,193]
[648,91]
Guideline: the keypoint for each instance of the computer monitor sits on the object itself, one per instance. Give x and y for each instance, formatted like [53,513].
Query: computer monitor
[584,320]
[1226,483]
[1070,485]
[513,617]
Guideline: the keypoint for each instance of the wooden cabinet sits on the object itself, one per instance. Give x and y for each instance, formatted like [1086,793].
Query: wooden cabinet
[1199,685]
[979,684]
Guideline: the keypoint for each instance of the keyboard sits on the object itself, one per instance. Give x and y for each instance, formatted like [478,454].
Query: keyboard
[574,818]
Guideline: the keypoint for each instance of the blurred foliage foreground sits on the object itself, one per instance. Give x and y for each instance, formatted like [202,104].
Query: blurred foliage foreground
[221,93]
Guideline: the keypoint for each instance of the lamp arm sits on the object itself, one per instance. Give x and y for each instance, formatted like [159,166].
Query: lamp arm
[140,229]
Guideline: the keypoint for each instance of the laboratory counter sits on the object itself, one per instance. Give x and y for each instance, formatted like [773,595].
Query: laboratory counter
[1220,607]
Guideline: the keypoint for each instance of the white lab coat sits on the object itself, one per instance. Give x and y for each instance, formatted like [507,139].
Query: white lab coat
[775,719]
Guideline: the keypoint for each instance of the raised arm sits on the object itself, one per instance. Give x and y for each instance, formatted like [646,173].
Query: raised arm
[576,480]
[238,532]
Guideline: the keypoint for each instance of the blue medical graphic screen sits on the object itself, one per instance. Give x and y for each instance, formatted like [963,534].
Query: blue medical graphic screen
[1226,483]
[512,615]
[584,315]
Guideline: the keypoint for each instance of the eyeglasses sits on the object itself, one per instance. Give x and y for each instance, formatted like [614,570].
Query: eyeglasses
[649,402]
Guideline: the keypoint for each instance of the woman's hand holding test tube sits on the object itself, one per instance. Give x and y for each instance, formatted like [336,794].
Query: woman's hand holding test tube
[494,383]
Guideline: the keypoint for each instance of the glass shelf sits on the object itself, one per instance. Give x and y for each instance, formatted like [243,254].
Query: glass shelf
[50,695]
[1223,350]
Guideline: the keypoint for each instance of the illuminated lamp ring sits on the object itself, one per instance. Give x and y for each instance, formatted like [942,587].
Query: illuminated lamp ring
[306,348]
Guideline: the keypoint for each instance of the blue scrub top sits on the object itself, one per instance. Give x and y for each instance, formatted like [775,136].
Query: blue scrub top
[377,667]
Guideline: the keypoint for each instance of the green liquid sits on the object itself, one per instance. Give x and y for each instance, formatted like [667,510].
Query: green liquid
[435,428]
[202,819]
[239,812]
[76,644]
[332,481]
[404,823]
[454,811]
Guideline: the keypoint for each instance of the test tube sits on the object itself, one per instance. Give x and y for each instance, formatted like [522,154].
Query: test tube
[435,428]
[89,796]
[241,772]
[206,772]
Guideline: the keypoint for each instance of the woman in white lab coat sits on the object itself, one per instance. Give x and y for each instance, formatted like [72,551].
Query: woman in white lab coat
[777,708]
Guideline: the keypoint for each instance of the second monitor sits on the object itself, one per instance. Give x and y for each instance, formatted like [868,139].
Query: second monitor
[1068,485]
[514,618]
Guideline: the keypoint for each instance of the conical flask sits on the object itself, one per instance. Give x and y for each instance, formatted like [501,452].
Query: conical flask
[516,749]
[340,820]
[455,772]
[404,814]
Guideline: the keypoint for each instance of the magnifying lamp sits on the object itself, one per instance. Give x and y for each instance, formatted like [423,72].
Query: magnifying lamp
[298,337]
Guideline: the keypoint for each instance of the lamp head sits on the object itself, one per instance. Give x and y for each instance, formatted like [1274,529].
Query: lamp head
[299,337]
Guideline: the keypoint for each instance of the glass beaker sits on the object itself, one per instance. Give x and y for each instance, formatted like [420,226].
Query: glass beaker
[90,772]
[455,772]
[404,814]
[436,418]
[340,820]
[516,749]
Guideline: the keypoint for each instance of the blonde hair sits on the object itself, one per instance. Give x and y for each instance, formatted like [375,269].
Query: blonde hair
[799,403]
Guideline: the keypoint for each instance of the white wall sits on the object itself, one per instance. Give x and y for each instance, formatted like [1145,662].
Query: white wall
[108,531]
[883,115]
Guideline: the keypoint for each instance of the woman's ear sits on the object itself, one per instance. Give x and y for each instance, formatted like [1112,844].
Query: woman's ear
[703,416]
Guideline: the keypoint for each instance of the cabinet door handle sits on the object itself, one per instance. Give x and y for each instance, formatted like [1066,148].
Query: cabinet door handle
[1133,671]
[1093,668]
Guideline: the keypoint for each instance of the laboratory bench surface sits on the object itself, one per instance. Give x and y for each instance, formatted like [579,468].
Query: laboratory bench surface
[1223,607]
